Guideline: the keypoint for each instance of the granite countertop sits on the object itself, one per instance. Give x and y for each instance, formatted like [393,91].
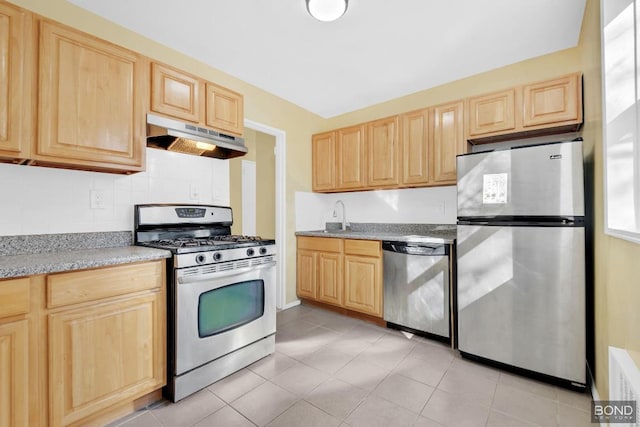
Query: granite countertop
[419,233]
[51,253]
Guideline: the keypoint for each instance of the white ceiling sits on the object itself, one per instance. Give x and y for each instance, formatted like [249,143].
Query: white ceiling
[379,50]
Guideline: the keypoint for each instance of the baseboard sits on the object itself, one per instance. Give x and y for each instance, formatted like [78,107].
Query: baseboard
[346,312]
[291,304]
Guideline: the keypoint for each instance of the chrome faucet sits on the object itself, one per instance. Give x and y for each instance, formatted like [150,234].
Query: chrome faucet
[344,214]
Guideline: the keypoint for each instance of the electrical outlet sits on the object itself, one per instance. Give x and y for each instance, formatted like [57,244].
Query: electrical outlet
[194,192]
[98,199]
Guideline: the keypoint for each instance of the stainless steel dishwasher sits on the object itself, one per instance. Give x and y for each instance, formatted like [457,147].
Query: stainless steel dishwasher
[416,287]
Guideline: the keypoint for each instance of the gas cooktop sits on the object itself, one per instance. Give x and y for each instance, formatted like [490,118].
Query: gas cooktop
[212,243]
[191,228]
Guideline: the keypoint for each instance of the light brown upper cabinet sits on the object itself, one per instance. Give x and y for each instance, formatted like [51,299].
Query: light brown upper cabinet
[557,101]
[383,152]
[489,114]
[431,140]
[542,108]
[93,97]
[16,82]
[175,93]
[323,147]
[183,96]
[351,156]
[448,141]
[415,149]
[224,110]
[419,148]
[415,141]
[339,160]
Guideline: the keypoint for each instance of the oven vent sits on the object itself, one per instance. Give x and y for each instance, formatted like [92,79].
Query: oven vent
[226,266]
[190,271]
[243,263]
[263,260]
[209,269]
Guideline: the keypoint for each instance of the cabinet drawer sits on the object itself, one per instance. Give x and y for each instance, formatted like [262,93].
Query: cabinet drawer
[362,247]
[14,297]
[89,285]
[325,244]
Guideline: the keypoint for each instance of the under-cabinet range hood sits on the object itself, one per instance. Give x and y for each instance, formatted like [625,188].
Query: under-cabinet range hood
[174,135]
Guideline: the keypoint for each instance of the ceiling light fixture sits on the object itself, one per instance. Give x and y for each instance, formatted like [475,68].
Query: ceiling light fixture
[327,10]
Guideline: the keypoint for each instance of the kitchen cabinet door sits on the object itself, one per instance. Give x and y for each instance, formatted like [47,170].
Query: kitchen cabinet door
[448,141]
[224,110]
[363,276]
[16,82]
[105,354]
[363,284]
[175,93]
[329,278]
[351,158]
[382,148]
[306,274]
[93,99]
[415,148]
[553,102]
[492,114]
[323,153]
[14,373]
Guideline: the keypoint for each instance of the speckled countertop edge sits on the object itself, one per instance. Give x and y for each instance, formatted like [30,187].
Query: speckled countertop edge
[39,243]
[29,255]
[424,233]
[53,262]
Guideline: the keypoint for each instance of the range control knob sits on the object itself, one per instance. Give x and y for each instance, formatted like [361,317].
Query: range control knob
[200,259]
[217,256]
[250,252]
[263,251]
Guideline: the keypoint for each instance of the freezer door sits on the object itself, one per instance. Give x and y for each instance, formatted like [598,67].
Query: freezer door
[541,180]
[521,297]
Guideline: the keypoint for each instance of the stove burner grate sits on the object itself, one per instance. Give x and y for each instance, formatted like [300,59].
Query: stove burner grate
[185,242]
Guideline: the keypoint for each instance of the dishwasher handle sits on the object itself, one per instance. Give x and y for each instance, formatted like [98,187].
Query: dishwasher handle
[420,249]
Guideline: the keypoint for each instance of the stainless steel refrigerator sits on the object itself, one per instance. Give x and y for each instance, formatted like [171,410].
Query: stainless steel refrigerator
[521,260]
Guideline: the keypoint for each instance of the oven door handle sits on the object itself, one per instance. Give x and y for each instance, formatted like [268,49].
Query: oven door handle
[220,274]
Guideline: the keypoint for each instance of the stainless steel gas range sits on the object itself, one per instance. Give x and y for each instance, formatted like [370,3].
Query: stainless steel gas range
[221,293]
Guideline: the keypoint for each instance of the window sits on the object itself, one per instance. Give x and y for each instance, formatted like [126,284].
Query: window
[621,122]
[223,309]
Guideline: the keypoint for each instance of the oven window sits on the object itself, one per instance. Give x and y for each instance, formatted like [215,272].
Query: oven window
[229,307]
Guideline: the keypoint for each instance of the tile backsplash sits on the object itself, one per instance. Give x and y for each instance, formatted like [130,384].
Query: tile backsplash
[39,200]
[431,205]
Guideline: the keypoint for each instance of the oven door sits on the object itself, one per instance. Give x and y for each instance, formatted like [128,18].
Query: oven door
[218,313]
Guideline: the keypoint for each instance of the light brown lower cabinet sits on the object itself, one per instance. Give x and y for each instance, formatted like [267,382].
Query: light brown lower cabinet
[83,347]
[105,351]
[346,273]
[14,352]
[319,269]
[363,276]
[14,373]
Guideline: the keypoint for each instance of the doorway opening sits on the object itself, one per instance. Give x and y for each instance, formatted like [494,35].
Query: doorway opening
[257,186]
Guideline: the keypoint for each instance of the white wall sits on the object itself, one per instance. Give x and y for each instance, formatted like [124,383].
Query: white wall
[39,200]
[435,205]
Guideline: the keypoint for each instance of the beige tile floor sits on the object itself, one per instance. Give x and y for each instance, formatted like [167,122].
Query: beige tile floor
[331,370]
